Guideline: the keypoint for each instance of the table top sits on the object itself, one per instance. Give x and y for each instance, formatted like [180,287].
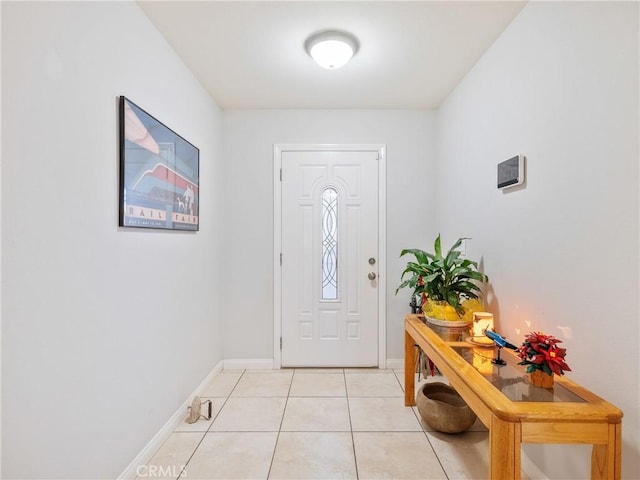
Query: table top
[505,390]
[511,379]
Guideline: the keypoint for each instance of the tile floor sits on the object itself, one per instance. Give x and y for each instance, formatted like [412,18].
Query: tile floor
[316,424]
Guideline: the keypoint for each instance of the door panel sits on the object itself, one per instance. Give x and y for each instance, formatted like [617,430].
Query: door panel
[329,233]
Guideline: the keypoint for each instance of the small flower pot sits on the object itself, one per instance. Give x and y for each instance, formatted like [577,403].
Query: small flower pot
[541,379]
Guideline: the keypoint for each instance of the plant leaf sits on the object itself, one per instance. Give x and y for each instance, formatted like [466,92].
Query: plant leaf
[421,255]
[452,298]
[454,248]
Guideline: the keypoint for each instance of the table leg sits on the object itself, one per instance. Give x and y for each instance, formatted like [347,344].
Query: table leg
[504,450]
[606,459]
[410,357]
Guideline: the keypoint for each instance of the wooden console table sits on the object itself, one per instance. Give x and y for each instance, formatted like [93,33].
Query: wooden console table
[514,411]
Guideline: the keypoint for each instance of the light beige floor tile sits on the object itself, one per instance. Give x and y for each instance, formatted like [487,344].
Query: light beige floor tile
[222,384]
[382,415]
[373,385]
[232,455]
[463,455]
[172,456]
[423,379]
[315,385]
[365,370]
[396,456]
[319,370]
[278,371]
[400,377]
[202,425]
[263,385]
[262,414]
[313,455]
[316,415]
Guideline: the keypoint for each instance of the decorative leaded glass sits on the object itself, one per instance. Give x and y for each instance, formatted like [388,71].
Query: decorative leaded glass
[329,244]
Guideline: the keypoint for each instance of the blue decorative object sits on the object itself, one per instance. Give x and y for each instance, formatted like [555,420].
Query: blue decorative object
[501,342]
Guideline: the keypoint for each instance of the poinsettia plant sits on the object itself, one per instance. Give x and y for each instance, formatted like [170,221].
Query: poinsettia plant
[541,352]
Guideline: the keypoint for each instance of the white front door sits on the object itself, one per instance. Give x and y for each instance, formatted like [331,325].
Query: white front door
[329,258]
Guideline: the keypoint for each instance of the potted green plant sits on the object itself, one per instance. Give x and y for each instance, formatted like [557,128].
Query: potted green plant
[448,284]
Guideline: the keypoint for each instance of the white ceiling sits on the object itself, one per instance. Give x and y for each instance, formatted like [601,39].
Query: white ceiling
[251,54]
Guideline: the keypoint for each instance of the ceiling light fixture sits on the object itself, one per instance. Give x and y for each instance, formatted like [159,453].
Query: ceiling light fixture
[331,48]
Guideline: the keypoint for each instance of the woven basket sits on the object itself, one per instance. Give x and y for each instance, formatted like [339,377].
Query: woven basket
[443,409]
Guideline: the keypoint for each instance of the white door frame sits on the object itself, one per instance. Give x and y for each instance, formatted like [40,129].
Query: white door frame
[381,149]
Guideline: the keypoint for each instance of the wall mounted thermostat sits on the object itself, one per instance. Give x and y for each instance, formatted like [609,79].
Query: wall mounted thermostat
[511,172]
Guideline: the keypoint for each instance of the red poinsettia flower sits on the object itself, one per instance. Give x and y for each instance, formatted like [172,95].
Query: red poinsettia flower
[540,352]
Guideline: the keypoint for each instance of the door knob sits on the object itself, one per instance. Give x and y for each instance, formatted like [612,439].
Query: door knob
[372,276]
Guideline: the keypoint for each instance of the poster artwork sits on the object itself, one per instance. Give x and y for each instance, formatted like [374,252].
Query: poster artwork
[159,173]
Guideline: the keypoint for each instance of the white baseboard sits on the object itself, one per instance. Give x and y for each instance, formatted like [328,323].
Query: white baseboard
[159,438]
[395,363]
[248,364]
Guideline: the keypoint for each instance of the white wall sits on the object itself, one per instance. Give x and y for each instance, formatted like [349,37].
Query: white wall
[1,110]
[105,331]
[249,136]
[561,87]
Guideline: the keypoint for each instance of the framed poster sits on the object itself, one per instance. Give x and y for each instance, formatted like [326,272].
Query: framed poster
[159,173]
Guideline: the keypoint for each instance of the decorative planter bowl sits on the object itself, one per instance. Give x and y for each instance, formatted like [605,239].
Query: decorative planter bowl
[443,409]
[450,330]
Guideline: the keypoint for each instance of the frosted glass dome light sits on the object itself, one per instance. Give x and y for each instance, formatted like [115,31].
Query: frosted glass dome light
[331,49]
